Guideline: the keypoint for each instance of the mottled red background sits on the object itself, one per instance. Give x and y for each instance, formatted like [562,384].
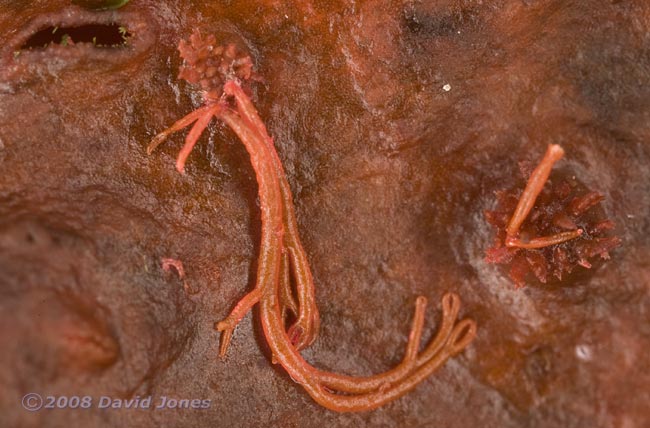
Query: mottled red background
[391,175]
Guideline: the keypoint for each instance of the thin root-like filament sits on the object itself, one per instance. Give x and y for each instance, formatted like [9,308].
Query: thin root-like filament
[349,393]
[227,325]
[305,328]
[415,336]
[180,124]
[288,304]
[461,336]
[450,309]
[533,188]
[269,263]
[545,241]
[364,385]
[307,324]
[192,137]
[526,203]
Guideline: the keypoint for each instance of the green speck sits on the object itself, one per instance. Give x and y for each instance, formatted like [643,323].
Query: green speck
[65,40]
[124,33]
[16,54]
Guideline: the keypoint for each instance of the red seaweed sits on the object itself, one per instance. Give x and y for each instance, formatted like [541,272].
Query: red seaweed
[553,227]
[220,72]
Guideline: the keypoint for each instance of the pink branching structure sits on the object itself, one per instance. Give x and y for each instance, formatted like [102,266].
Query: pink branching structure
[284,288]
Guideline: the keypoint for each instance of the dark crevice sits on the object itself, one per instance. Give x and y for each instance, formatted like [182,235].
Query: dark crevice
[439,21]
[100,35]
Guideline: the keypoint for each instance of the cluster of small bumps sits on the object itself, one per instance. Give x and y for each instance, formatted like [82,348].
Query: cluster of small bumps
[210,65]
[563,205]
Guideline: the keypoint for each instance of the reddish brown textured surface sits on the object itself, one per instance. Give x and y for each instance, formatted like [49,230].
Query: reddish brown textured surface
[564,206]
[391,175]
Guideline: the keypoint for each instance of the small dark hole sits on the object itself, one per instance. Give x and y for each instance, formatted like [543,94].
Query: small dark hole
[30,238]
[100,35]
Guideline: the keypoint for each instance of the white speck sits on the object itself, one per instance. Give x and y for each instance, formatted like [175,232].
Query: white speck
[630,216]
[458,31]
[583,352]
[2,144]
[286,16]
[447,87]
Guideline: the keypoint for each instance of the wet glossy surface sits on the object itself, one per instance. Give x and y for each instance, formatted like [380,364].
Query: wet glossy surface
[391,171]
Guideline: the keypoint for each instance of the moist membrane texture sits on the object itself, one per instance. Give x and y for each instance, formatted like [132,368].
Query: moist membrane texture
[396,122]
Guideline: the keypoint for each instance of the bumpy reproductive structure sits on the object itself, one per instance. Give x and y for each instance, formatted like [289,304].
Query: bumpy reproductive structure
[284,288]
[549,231]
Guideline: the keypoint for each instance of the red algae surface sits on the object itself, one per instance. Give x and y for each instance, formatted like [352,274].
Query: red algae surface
[396,123]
